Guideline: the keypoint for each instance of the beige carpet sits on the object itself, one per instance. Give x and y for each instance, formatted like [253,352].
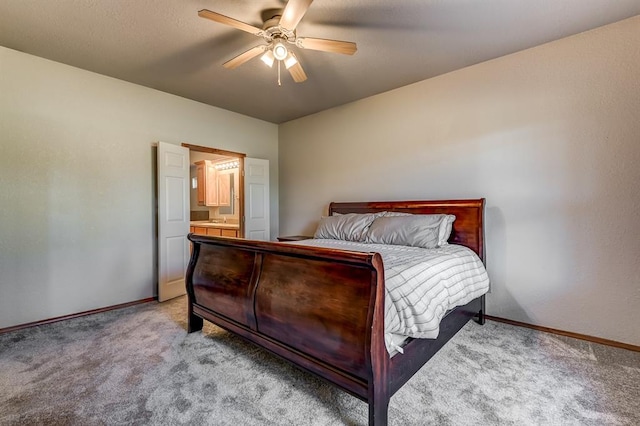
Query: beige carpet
[138,366]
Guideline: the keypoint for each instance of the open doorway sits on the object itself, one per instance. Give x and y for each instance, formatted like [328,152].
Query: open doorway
[223,214]
[175,215]
[216,191]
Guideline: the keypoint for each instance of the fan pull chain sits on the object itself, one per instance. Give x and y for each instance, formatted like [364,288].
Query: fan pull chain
[279,83]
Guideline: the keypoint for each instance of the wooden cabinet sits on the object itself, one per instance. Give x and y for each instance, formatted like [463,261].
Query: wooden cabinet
[211,184]
[214,187]
[224,189]
[229,232]
[199,230]
[201,178]
[216,232]
[207,184]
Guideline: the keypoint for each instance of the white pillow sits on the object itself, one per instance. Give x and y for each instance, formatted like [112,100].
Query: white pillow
[445,229]
[427,231]
[347,227]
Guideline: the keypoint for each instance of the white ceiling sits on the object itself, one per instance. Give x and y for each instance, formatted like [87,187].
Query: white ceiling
[163,44]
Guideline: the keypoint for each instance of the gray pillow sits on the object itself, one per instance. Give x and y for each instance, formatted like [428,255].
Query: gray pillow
[347,227]
[425,231]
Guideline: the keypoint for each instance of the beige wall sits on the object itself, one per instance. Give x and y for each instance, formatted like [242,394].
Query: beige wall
[550,136]
[77,213]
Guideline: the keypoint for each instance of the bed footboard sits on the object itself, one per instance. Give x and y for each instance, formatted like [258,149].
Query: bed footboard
[322,309]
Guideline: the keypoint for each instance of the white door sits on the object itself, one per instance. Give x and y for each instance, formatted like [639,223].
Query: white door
[173,219]
[256,199]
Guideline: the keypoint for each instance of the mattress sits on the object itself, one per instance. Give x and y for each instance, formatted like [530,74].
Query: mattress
[421,285]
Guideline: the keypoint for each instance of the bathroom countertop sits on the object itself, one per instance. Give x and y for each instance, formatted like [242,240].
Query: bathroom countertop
[207,224]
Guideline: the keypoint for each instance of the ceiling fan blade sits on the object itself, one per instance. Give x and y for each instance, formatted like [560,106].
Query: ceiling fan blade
[205,13]
[244,57]
[293,13]
[334,46]
[297,73]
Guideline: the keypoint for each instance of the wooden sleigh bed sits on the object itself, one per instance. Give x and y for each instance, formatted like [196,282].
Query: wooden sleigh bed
[323,309]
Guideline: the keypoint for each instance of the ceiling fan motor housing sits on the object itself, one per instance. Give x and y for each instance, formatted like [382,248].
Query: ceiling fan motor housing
[272,29]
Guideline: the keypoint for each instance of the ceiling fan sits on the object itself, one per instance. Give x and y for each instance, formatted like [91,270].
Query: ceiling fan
[278,31]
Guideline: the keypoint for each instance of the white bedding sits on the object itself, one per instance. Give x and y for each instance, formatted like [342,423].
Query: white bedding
[421,284]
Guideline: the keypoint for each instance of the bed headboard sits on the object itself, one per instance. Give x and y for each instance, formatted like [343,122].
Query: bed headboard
[468,228]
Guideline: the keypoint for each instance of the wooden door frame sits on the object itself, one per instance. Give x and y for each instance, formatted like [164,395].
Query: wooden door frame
[240,156]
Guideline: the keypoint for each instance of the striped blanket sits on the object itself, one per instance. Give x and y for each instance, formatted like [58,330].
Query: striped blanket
[421,284]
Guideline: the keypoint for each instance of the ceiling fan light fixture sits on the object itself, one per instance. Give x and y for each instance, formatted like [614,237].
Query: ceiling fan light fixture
[268,58]
[290,61]
[280,51]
